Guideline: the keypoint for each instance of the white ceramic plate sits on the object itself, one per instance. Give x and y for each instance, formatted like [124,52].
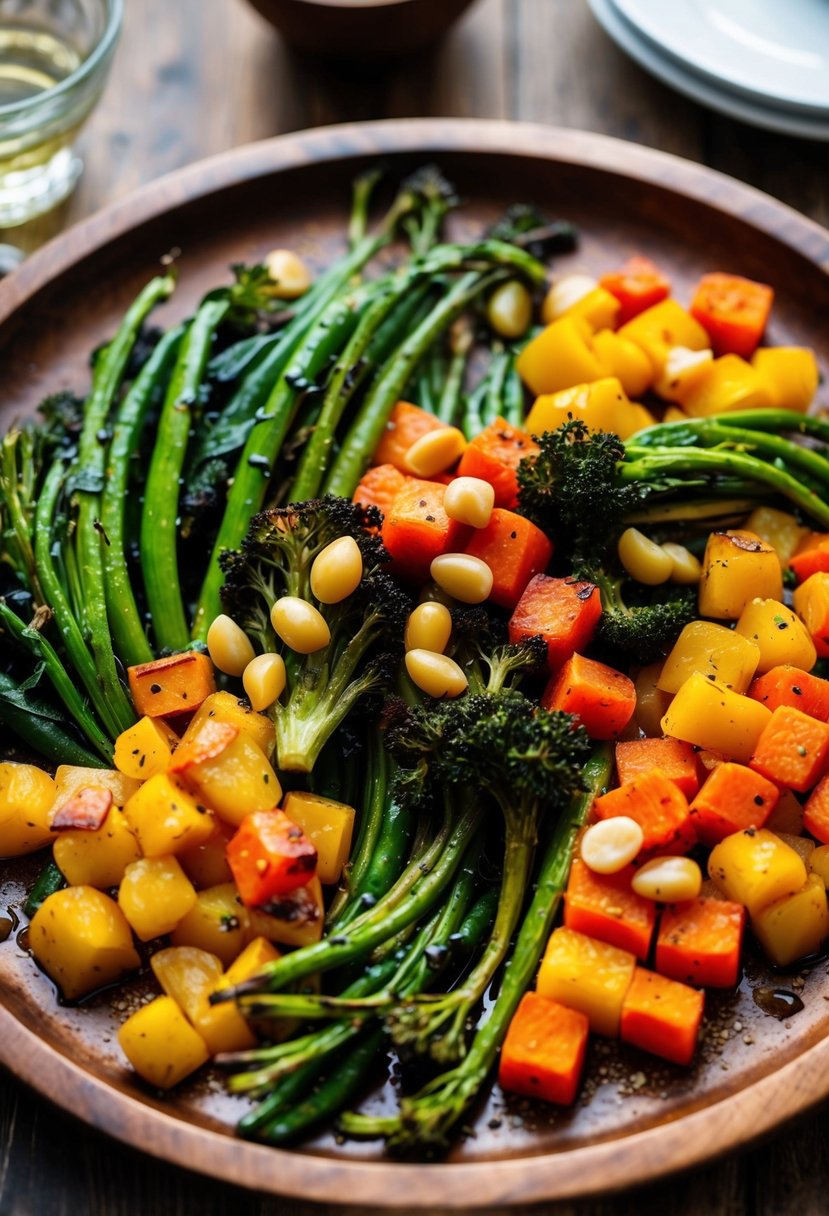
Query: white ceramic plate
[667,69]
[775,51]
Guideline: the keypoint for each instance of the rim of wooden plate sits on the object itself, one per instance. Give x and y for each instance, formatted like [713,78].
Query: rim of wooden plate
[610,1164]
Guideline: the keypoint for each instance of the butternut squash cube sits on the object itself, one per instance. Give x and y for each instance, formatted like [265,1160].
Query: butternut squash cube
[756,868]
[296,920]
[189,976]
[224,707]
[80,938]
[624,359]
[97,859]
[176,684]
[710,716]
[780,634]
[714,652]
[206,864]
[155,894]
[738,567]
[27,795]
[559,357]
[790,374]
[602,405]
[166,818]
[144,749]
[780,529]
[794,926]
[729,383]
[235,783]
[651,702]
[662,326]
[223,1026]
[819,863]
[328,824]
[217,922]
[585,974]
[69,778]
[161,1045]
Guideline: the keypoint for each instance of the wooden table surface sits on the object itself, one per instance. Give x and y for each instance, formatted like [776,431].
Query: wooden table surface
[194,77]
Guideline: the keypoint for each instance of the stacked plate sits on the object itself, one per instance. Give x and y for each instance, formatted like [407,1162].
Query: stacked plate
[763,61]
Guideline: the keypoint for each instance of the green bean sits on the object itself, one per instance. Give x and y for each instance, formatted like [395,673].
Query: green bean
[460,339]
[513,398]
[48,881]
[493,401]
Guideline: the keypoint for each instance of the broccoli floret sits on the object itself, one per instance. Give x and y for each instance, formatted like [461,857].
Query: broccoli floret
[366,627]
[491,662]
[641,632]
[523,224]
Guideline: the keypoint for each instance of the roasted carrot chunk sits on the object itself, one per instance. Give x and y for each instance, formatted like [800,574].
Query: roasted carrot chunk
[605,907]
[543,1052]
[494,455]
[270,856]
[637,286]
[602,698]
[417,529]
[406,425]
[175,685]
[86,810]
[816,811]
[793,750]
[662,1016]
[677,760]
[564,611]
[732,799]
[700,942]
[790,686]
[733,311]
[515,551]
[811,556]
[658,806]
[207,743]
[379,486]
[811,603]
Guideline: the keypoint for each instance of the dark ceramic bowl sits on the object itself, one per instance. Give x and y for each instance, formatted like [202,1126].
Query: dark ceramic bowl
[361,29]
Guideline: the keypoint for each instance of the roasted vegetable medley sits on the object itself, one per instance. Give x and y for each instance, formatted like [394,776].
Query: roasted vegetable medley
[357,625]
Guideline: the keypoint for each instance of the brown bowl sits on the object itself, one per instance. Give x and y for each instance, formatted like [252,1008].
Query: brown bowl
[361,29]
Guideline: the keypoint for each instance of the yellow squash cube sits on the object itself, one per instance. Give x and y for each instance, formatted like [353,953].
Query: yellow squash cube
[144,749]
[97,859]
[819,863]
[794,926]
[756,868]
[217,922]
[779,529]
[224,707]
[167,818]
[189,976]
[651,702]
[714,652]
[790,373]
[602,406]
[661,327]
[729,383]
[80,938]
[559,357]
[224,1027]
[681,372]
[297,920]
[599,308]
[779,633]
[237,782]
[708,715]
[161,1045]
[328,824]
[69,778]
[27,795]
[587,975]
[624,359]
[738,567]
[802,845]
[205,864]
[155,894]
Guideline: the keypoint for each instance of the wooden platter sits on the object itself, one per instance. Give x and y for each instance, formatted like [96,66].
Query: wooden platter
[639,1120]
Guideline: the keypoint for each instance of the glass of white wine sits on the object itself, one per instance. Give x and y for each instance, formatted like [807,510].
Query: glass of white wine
[55,56]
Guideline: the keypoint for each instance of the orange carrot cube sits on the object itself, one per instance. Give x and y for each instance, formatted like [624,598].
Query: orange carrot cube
[494,455]
[605,907]
[793,750]
[733,798]
[270,856]
[515,551]
[816,811]
[405,426]
[379,486]
[677,760]
[658,806]
[564,611]
[543,1052]
[602,698]
[662,1016]
[786,685]
[811,556]
[811,603]
[417,529]
[175,685]
[700,942]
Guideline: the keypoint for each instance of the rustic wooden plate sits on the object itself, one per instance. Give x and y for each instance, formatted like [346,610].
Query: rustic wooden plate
[638,1120]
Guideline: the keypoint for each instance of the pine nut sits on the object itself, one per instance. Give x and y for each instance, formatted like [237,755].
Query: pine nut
[288,271]
[300,625]
[564,293]
[429,627]
[644,560]
[337,570]
[610,845]
[686,568]
[469,500]
[229,646]
[264,680]
[464,577]
[435,674]
[668,879]
[435,451]
[509,309]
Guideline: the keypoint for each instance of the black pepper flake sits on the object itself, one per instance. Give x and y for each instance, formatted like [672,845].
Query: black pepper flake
[759,800]
[155,688]
[430,519]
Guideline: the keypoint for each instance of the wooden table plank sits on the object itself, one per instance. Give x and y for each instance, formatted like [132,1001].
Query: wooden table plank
[194,77]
